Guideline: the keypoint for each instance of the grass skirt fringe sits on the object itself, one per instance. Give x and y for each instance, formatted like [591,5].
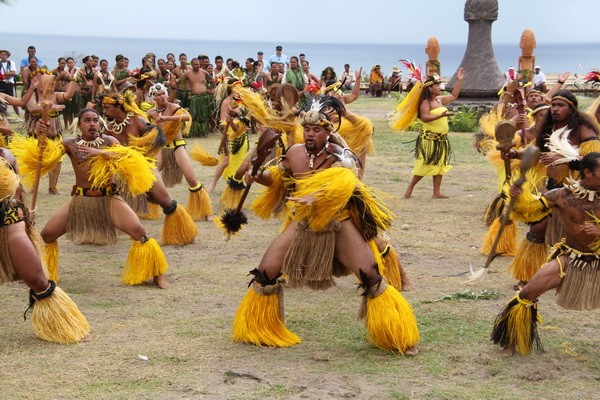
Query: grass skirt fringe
[507,245]
[7,270]
[309,259]
[516,326]
[390,320]
[58,319]
[154,212]
[529,259]
[200,110]
[171,173]
[51,260]
[232,194]
[259,319]
[139,204]
[179,228]
[198,204]
[90,221]
[579,288]
[271,201]
[554,229]
[144,262]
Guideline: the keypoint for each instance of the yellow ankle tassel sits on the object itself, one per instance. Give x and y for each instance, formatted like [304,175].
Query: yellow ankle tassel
[153,212]
[57,318]
[390,320]
[179,228]
[389,266]
[516,326]
[259,318]
[51,259]
[198,203]
[144,262]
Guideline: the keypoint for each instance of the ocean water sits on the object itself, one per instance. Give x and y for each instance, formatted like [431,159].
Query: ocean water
[553,58]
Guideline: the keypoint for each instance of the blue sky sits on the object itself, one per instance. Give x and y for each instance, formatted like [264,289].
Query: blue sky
[349,21]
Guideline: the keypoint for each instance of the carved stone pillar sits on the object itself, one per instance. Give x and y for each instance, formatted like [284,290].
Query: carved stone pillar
[482,78]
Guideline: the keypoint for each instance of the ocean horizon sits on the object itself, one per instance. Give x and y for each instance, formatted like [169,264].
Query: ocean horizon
[552,57]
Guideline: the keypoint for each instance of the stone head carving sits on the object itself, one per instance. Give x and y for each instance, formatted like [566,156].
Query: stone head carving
[481,10]
[527,43]
[433,48]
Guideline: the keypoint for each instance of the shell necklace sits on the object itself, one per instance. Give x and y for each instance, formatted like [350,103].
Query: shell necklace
[118,127]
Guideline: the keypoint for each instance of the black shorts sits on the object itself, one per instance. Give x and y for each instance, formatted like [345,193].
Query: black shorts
[7,88]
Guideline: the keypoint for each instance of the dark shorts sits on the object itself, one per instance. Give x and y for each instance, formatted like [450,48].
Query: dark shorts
[7,88]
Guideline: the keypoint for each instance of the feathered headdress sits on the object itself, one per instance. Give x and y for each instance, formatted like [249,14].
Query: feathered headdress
[407,110]
[156,87]
[414,71]
[315,112]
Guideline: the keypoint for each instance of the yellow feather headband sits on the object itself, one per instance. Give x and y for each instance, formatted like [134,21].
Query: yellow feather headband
[432,80]
[569,102]
[537,110]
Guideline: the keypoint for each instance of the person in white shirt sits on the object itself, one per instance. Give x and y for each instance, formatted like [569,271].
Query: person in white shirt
[278,57]
[539,80]
[347,78]
[8,69]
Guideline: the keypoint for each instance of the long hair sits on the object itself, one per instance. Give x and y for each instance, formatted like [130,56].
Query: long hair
[575,121]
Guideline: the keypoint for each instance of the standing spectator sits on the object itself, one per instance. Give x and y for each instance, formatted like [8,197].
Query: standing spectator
[295,75]
[347,78]
[376,81]
[8,70]
[120,72]
[30,53]
[301,58]
[279,58]
[539,80]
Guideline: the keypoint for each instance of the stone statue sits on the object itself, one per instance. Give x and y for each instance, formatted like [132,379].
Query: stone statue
[483,78]
[527,59]
[432,66]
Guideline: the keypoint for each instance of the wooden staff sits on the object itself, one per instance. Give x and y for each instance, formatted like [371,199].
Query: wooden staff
[505,134]
[530,158]
[48,83]
[234,219]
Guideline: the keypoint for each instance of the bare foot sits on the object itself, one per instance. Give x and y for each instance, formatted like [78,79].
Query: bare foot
[209,189]
[413,351]
[161,281]
[439,196]
[507,351]
[408,193]
[407,286]
[54,191]
[210,218]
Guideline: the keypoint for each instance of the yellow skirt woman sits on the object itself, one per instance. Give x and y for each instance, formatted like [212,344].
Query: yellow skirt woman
[432,147]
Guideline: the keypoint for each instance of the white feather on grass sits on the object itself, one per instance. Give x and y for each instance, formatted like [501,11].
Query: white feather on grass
[476,275]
